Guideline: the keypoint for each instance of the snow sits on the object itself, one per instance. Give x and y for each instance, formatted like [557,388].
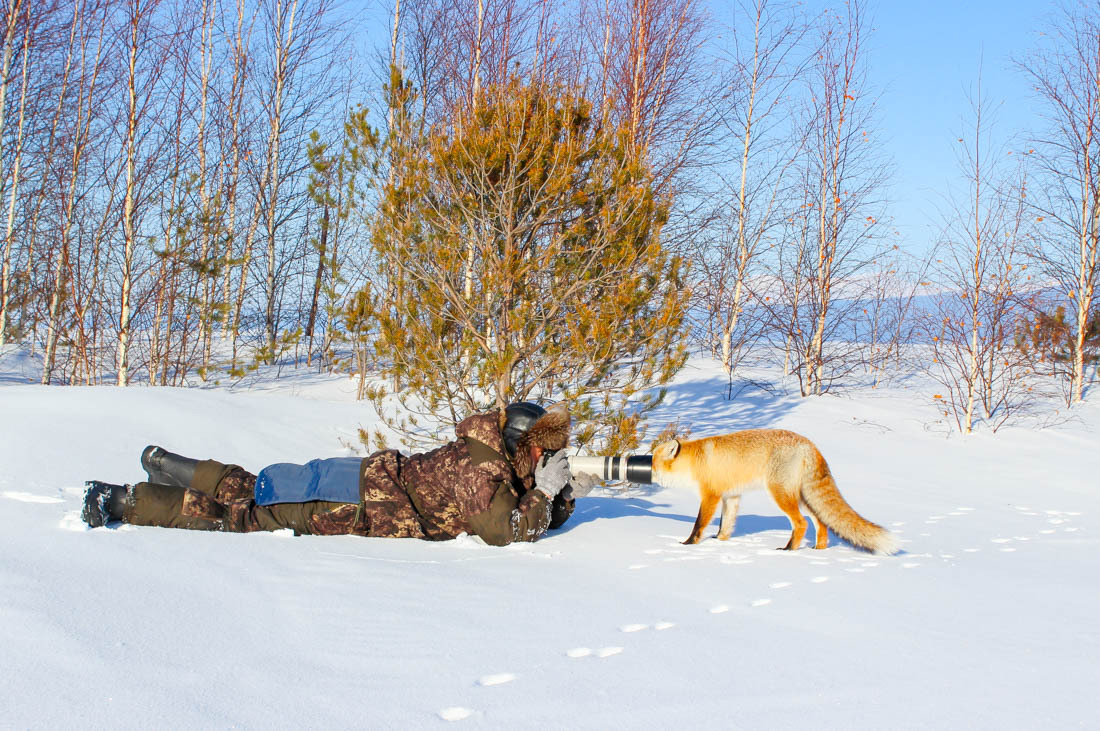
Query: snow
[985,620]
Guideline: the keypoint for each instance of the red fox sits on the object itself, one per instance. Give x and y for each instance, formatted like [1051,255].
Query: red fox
[787,464]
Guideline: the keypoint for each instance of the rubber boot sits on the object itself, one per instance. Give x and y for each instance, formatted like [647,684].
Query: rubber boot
[103,503]
[166,468]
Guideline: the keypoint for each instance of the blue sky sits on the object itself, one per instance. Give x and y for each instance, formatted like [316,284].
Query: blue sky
[924,59]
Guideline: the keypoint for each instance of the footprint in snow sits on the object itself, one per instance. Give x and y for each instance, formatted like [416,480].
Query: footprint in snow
[608,651]
[760,602]
[779,585]
[579,652]
[497,679]
[664,625]
[633,627]
[719,609]
[455,713]
[819,579]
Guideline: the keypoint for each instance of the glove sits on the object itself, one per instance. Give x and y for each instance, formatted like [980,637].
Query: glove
[583,483]
[552,474]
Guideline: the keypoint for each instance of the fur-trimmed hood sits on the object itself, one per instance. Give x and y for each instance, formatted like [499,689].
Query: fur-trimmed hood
[551,432]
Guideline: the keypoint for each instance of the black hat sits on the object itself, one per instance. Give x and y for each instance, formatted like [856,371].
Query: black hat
[518,420]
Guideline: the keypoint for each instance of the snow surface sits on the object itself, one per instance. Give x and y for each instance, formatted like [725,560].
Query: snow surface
[987,619]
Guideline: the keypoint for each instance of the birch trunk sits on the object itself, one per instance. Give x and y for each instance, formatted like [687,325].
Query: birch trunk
[128,203]
[282,49]
[5,276]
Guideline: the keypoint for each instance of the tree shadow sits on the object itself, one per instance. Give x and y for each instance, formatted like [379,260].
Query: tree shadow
[703,404]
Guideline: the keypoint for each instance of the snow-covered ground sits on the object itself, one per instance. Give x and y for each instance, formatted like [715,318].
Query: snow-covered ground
[986,620]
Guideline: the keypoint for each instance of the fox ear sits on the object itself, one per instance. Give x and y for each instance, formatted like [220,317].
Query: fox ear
[668,450]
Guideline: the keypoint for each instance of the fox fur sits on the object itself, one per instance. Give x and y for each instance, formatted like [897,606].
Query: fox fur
[788,465]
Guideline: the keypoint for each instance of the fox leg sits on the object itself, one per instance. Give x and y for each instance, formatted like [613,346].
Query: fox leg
[821,532]
[707,507]
[788,503]
[730,505]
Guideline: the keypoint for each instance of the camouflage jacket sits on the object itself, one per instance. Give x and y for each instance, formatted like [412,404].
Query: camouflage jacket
[466,486]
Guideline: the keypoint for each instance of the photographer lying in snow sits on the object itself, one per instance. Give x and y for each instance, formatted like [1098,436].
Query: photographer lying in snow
[491,482]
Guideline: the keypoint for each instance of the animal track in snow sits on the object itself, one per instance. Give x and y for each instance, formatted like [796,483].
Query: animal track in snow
[633,627]
[497,679]
[779,585]
[719,608]
[608,651]
[664,625]
[579,652]
[760,602]
[819,579]
[455,713]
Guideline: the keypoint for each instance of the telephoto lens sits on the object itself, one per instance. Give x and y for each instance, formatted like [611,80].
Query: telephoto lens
[630,467]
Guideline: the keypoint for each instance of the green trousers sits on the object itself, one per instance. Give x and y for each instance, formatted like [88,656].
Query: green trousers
[221,497]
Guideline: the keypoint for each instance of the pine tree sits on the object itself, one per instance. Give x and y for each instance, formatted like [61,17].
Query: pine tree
[1050,341]
[521,255]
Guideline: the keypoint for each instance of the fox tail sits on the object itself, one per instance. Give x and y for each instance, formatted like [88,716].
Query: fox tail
[824,499]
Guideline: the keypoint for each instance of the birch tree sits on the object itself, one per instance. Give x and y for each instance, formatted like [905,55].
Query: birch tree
[979,275]
[848,177]
[766,59]
[1065,71]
